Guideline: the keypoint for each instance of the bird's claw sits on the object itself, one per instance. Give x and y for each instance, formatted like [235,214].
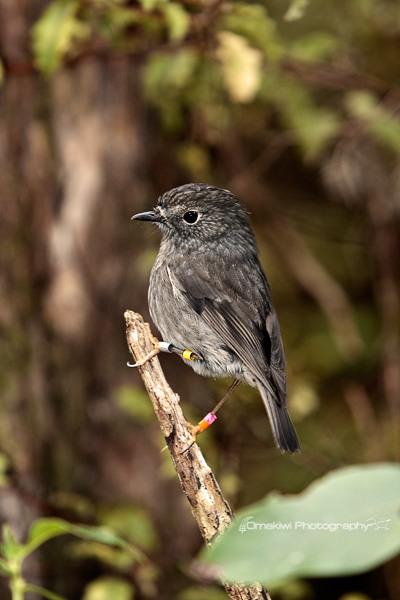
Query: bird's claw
[152,354]
[194,430]
[188,447]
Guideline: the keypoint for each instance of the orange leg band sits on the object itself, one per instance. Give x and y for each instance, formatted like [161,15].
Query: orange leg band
[207,421]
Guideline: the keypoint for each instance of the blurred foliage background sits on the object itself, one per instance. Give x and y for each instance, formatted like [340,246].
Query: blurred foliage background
[106,104]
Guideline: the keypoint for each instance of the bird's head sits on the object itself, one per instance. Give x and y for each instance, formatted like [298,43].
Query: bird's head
[198,214]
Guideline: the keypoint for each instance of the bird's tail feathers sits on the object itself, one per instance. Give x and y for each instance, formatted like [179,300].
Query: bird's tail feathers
[281,423]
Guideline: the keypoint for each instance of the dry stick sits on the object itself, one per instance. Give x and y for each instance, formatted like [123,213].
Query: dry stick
[210,509]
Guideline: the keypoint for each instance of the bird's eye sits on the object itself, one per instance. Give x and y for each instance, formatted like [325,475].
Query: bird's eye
[191,217]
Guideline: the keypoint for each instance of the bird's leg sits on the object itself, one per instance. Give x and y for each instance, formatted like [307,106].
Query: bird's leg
[187,354]
[209,419]
[164,347]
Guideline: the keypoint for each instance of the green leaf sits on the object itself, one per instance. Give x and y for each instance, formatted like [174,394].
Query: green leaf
[133,522]
[166,79]
[315,46]
[177,21]
[149,4]
[251,21]
[345,523]
[312,126]
[362,105]
[382,124]
[169,73]
[43,530]
[54,33]
[42,592]
[108,588]
[4,568]
[117,558]
[103,535]
[296,10]
[10,548]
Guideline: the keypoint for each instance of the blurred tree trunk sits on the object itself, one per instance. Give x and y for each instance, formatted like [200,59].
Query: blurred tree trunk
[72,168]
[26,190]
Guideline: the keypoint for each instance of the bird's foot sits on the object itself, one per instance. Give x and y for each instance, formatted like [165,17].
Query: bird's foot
[164,347]
[152,354]
[195,430]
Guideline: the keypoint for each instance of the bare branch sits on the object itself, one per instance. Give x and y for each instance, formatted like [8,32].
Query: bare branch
[210,509]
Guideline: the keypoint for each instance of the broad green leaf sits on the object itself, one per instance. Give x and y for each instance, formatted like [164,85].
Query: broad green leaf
[54,33]
[47,528]
[345,523]
[43,530]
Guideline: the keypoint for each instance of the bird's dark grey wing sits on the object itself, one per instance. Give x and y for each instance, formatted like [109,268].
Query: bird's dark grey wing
[277,359]
[253,334]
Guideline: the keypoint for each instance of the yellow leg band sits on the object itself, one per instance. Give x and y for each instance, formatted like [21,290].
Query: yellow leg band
[188,354]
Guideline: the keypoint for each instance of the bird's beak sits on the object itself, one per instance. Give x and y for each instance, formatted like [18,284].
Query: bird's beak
[147,216]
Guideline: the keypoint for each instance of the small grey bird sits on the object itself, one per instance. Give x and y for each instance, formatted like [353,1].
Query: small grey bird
[208,293]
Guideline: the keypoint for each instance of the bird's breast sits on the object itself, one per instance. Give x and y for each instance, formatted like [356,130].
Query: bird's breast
[181,326]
